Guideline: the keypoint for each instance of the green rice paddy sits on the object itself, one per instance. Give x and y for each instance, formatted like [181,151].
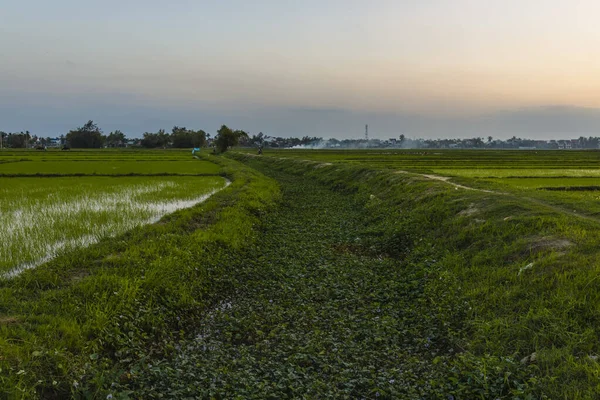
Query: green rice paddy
[56,202]
[109,167]
[42,218]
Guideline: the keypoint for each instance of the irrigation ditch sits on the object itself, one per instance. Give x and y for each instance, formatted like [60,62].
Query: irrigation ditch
[373,284]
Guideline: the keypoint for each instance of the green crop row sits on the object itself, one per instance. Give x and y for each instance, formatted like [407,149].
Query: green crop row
[87,154]
[69,167]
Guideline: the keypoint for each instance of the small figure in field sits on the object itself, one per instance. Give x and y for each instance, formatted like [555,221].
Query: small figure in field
[260,149]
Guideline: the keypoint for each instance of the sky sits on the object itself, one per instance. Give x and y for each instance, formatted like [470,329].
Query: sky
[423,68]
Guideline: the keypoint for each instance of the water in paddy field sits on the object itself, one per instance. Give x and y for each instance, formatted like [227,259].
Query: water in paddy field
[36,231]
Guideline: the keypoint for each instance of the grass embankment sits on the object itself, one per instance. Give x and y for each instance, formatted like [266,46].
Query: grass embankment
[510,287]
[74,325]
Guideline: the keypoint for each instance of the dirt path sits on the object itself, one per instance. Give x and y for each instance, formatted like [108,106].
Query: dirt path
[555,208]
[446,179]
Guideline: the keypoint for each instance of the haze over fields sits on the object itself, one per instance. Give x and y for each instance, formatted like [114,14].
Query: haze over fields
[439,68]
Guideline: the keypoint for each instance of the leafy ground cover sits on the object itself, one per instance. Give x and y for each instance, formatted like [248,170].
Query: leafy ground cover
[320,314]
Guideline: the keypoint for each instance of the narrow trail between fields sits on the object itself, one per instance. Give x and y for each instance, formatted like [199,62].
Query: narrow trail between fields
[555,208]
[446,179]
[320,315]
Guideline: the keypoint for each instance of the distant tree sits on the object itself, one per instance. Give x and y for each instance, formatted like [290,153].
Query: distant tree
[88,136]
[477,142]
[490,138]
[257,140]
[155,140]
[187,138]
[27,138]
[402,138]
[116,139]
[16,140]
[227,138]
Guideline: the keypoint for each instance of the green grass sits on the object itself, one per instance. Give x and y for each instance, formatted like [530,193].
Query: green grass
[321,316]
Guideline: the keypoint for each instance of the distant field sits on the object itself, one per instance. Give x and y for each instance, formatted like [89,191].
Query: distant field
[109,167]
[90,154]
[451,159]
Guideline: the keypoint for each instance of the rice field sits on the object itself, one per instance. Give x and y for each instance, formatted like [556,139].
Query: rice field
[46,212]
[108,167]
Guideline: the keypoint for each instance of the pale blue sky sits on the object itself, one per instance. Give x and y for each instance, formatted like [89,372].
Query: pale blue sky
[423,68]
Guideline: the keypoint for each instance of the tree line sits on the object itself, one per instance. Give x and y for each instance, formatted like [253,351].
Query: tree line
[90,136]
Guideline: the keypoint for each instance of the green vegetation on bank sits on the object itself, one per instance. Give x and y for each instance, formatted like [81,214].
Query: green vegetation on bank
[519,290]
[319,313]
[68,326]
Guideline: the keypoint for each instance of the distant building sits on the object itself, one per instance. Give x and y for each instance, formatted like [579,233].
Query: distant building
[133,142]
[54,142]
[565,145]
